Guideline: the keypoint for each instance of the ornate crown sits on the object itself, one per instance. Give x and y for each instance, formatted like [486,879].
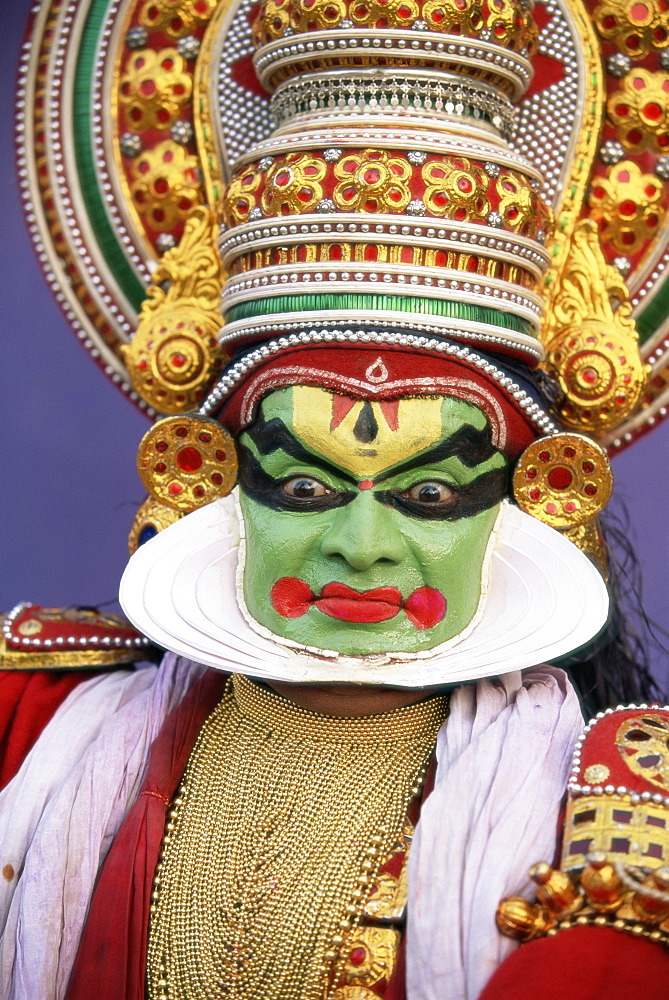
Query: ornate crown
[378,167]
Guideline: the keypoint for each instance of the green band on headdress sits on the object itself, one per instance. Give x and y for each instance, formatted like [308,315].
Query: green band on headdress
[373,303]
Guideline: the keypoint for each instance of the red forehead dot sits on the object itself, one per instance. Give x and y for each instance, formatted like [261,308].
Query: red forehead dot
[365,484]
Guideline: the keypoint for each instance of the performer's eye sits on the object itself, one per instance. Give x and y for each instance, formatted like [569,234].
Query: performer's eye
[305,488]
[431,492]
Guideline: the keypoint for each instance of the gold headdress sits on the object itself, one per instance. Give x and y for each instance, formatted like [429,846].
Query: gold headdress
[392,178]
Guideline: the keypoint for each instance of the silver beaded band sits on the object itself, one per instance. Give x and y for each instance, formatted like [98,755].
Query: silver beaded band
[430,233]
[512,70]
[379,91]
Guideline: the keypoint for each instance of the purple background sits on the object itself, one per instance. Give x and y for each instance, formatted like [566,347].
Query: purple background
[69,486]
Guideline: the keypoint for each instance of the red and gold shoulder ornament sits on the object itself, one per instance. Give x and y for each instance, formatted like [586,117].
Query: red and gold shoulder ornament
[614,869]
[74,638]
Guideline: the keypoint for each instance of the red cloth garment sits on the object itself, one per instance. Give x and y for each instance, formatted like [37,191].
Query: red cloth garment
[583,963]
[28,700]
[111,961]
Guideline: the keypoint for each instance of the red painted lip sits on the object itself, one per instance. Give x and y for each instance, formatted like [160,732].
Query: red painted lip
[292,598]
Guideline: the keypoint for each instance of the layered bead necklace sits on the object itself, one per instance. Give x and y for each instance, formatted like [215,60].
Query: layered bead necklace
[268,842]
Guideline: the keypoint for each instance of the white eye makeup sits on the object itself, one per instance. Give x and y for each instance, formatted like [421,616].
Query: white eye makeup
[305,488]
[429,491]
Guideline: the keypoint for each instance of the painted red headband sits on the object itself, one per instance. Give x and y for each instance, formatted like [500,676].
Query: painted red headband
[369,372]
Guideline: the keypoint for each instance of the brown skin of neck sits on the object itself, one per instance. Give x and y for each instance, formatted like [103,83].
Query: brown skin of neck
[347,700]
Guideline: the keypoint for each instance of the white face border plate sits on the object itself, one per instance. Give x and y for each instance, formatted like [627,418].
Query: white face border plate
[545,599]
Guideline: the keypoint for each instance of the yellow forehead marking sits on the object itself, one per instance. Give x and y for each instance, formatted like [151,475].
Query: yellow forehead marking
[364,437]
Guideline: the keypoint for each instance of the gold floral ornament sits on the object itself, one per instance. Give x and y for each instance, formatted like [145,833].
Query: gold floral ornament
[370,956]
[456,189]
[174,357]
[593,348]
[461,17]
[372,181]
[628,207]
[293,185]
[239,197]
[186,462]
[155,89]
[564,480]
[176,17]
[166,186]
[640,111]
[643,743]
[519,204]
[270,22]
[354,993]
[316,15]
[384,13]
[513,26]
[635,26]
[589,539]
[151,518]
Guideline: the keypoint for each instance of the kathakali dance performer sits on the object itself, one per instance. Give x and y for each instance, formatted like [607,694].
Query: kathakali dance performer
[388,276]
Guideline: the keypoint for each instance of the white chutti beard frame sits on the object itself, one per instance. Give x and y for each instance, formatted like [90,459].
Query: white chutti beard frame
[541,599]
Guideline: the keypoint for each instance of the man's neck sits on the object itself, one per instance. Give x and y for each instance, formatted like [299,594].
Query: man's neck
[346,700]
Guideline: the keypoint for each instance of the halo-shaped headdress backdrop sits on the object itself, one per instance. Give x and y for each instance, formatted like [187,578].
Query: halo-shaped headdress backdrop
[128,138]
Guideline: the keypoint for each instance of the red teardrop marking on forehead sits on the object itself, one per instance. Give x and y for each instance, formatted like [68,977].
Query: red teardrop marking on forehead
[341,405]
[390,410]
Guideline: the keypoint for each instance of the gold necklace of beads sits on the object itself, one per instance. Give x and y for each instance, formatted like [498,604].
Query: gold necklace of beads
[281,821]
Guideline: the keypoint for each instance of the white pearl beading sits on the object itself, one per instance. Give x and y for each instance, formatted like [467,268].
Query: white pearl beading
[93,642]
[575,789]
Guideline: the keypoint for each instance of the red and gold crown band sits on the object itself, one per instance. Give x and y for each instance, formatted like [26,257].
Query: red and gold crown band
[389,189]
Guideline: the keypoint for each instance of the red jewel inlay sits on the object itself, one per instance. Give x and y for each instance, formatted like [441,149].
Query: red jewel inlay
[181,432]
[551,508]
[174,489]
[357,956]
[588,467]
[204,437]
[590,489]
[220,456]
[216,478]
[534,494]
[559,478]
[189,459]
[544,456]
[161,446]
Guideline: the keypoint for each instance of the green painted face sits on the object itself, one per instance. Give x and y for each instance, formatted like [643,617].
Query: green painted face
[367,523]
